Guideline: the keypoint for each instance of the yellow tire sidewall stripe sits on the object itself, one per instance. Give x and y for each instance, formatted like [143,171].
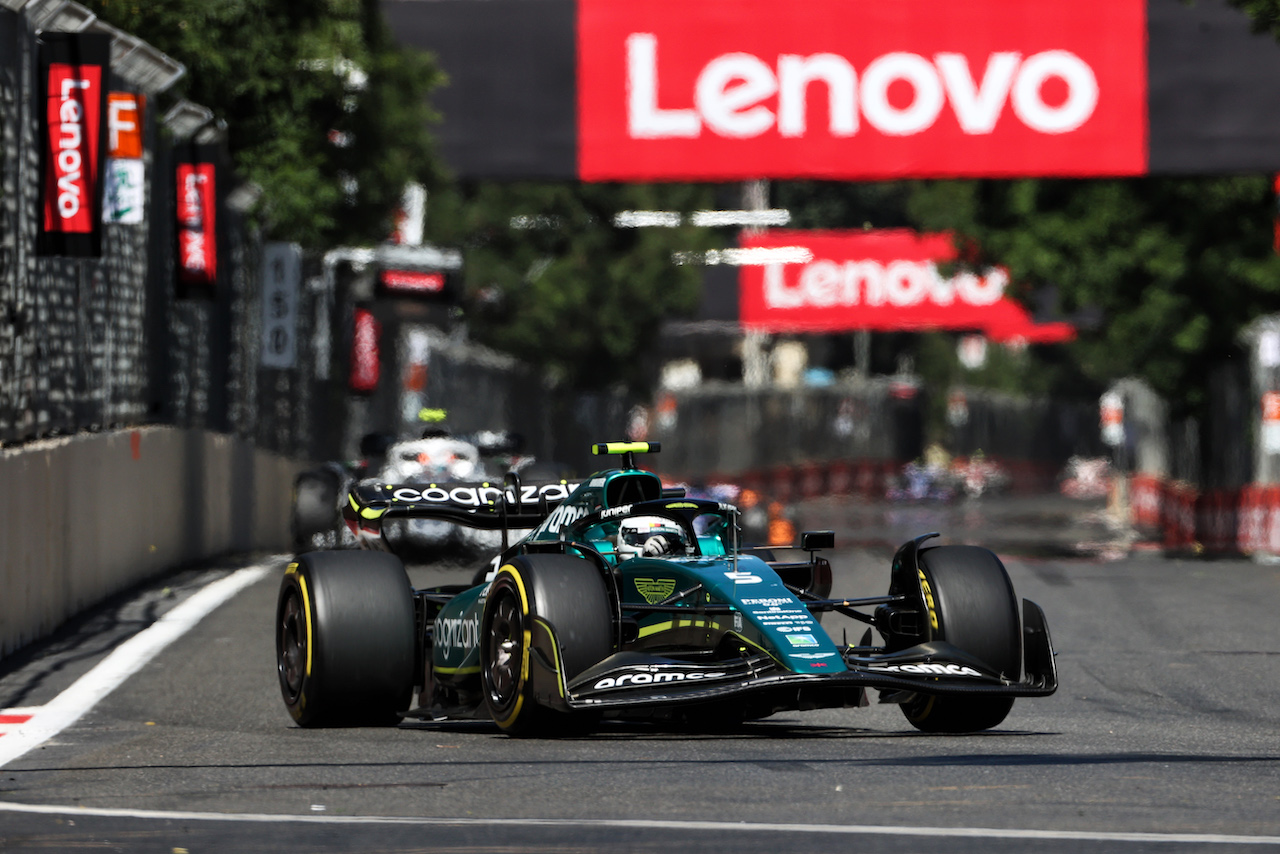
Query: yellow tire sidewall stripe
[301,578]
[527,630]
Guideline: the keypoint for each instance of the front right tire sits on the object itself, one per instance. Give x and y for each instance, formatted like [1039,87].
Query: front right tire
[553,594]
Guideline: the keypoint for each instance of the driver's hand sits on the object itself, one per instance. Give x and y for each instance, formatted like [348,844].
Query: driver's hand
[658,544]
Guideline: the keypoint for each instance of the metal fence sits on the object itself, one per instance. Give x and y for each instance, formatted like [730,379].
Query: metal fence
[719,430]
[97,343]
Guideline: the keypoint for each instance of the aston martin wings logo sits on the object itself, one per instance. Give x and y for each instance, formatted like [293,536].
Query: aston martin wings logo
[655,590]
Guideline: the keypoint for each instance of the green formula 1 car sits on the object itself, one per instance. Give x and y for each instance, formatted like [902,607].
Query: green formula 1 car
[622,599]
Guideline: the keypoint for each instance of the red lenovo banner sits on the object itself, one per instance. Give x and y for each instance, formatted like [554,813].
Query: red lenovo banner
[197,225]
[73,75]
[860,89]
[880,280]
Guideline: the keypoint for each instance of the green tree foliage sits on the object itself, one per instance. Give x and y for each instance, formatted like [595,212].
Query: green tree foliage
[323,109]
[1173,269]
[1265,14]
[552,280]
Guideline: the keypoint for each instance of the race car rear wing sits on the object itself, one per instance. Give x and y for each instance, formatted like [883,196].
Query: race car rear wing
[485,504]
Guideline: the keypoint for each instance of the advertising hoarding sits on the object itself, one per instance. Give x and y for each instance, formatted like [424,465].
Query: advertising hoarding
[73,76]
[854,90]
[880,280]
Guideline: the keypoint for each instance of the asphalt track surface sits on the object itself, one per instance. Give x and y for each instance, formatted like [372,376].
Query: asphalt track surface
[1164,736]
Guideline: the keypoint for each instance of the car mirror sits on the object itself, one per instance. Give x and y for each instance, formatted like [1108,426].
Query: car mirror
[813,540]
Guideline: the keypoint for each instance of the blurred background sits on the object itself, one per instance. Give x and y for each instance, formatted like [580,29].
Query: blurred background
[911,254]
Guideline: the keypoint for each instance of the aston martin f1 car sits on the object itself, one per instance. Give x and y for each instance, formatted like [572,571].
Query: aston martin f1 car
[627,600]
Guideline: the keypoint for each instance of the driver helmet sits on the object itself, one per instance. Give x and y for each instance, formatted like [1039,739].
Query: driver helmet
[636,533]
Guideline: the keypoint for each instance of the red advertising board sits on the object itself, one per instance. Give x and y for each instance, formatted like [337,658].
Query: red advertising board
[366,359]
[412,282]
[879,280]
[74,68]
[124,123]
[197,224]
[860,89]
[74,121]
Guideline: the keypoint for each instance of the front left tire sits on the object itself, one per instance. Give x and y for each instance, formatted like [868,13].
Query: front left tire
[345,639]
[969,602]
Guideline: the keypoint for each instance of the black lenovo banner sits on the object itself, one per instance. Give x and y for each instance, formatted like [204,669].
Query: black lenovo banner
[74,68]
[655,90]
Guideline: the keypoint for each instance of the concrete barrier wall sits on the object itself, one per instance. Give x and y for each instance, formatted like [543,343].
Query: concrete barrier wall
[87,516]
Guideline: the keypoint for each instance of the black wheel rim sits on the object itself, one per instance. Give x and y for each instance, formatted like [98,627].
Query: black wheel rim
[292,646]
[505,647]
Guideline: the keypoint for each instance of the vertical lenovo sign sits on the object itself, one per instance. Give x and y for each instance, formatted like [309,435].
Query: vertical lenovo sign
[861,89]
[197,225]
[73,75]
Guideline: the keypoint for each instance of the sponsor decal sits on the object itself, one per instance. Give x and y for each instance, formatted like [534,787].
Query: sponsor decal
[742,577]
[457,633]
[814,655]
[926,669]
[738,89]
[124,124]
[928,599]
[126,191]
[682,505]
[631,680]
[802,640]
[480,495]
[655,590]
[773,602]
[564,516]
[817,664]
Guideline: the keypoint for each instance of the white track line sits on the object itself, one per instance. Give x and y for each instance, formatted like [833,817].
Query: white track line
[128,658]
[642,824]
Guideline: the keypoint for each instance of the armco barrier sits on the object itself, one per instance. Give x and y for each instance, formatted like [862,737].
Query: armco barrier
[1178,520]
[87,516]
[1216,521]
[1244,521]
[1146,496]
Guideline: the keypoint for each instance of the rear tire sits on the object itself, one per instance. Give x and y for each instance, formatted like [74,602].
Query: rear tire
[568,594]
[970,598]
[345,639]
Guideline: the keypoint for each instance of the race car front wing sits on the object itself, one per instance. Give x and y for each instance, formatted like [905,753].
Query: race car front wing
[637,680]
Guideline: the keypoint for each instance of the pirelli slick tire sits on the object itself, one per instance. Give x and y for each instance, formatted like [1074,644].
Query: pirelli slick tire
[345,639]
[531,597]
[971,604]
